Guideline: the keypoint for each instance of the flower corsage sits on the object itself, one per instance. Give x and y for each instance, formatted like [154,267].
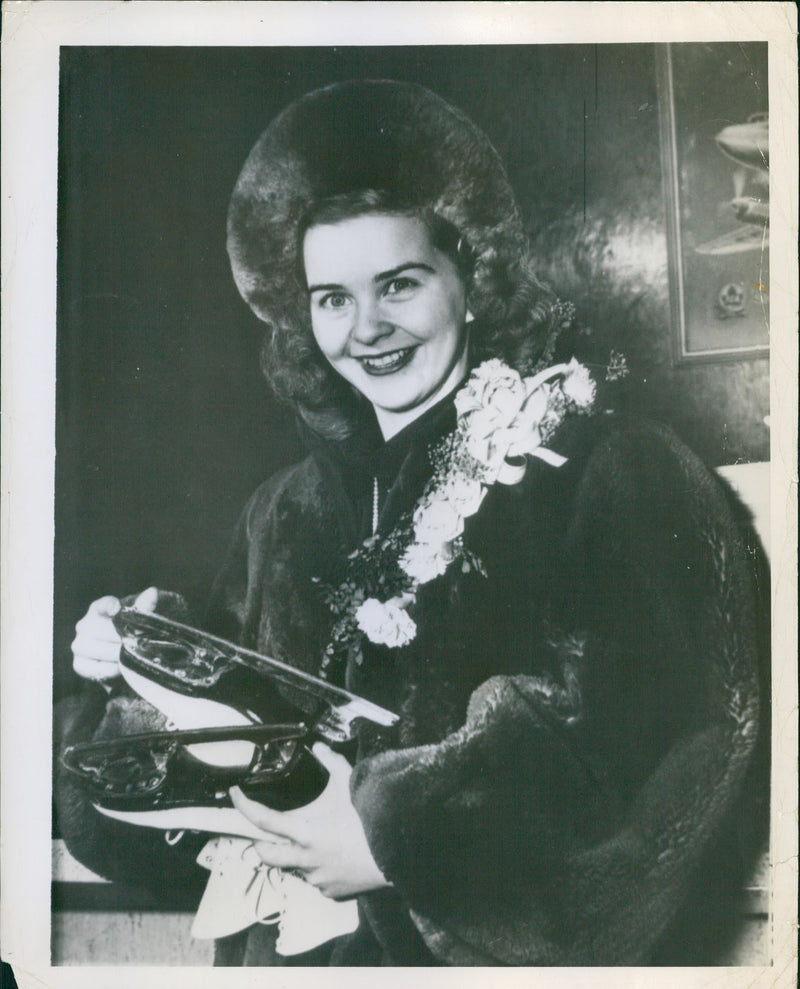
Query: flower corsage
[503,418]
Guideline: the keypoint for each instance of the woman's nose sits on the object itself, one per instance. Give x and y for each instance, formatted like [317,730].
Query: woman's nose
[369,325]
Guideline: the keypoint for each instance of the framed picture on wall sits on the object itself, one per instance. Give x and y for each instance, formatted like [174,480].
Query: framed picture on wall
[716,173]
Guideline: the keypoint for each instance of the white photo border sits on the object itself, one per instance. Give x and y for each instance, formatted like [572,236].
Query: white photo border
[32,34]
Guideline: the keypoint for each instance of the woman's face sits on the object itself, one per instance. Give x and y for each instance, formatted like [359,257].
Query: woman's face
[389,312]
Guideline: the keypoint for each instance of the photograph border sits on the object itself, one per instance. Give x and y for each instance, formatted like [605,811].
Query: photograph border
[32,34]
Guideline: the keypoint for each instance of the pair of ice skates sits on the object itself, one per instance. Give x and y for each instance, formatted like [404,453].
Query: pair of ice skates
[230,721]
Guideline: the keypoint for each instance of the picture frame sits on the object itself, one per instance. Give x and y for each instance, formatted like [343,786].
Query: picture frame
[715,155]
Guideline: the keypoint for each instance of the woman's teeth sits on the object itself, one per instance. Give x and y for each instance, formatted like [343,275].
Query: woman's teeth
[386,363]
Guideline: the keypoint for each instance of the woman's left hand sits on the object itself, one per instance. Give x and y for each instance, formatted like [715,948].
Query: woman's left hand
[323,841]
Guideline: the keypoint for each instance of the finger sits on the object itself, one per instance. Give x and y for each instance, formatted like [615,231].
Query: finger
[107,606]
[92,648]
[272,821]
[335,763]
[91,669]
[147,600]
[97,627]
[285,856]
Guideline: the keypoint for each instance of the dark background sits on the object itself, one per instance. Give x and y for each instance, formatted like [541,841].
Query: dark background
[164,426]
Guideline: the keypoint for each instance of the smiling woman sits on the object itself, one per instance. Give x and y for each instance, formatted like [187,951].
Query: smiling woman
[389,312]
[558,605]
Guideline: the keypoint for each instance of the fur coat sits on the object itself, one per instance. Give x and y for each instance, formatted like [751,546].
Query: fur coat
[573,768]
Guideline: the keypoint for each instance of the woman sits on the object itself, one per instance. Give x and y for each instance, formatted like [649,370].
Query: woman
[556,604]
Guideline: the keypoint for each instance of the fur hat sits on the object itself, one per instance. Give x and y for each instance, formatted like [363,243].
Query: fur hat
[383,135]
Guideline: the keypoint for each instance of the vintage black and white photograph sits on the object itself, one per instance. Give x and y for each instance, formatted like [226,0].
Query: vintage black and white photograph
[411,591]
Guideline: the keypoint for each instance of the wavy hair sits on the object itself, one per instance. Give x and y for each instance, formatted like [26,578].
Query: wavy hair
[514,312]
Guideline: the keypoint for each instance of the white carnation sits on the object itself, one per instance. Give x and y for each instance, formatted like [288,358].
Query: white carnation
[491,397]
[437,521]
[464,493]
[386,622]
[423,562]
[578,386]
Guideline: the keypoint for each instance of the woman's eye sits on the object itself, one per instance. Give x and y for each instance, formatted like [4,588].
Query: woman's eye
[397,286]
[333,300]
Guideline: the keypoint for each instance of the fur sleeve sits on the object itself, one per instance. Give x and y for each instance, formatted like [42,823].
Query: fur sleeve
[566,820]
[138,857]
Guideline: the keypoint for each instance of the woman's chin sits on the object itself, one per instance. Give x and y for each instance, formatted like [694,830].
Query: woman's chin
[399,404]
[395,411]
[397,392]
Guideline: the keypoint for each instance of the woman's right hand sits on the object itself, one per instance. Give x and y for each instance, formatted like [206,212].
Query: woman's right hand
[95,648]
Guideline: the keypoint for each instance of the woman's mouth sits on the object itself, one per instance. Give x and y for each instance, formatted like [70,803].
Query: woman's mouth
[387,363]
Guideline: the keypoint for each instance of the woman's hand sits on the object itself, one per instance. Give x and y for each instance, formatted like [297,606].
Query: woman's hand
[324,841]
[95,648]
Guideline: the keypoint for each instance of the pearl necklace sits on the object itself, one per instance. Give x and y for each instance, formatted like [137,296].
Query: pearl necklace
[374,505]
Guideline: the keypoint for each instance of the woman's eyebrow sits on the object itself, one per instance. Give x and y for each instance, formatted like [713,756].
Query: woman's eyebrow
[330,287]
[382,276]
[393,272]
